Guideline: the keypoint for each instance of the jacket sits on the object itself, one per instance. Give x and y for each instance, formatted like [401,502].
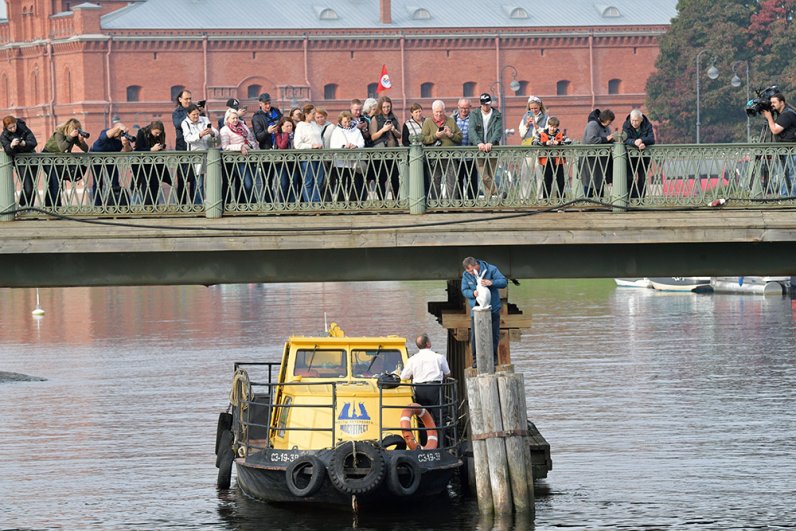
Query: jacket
[542,136]
[494,132]
[260,123]
[22,133]
[60,143]
[430,129]
[144,139]
[470,284]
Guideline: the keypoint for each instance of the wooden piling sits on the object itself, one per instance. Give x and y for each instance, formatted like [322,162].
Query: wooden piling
[495,444]
[515,427]
[481,464]
[523,407]
[483,340]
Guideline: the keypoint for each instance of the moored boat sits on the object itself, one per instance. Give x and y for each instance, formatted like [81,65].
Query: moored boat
[753,285]
[633,282]
[683,284]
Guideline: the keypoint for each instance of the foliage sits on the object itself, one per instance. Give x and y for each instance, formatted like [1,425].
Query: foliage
[731,32]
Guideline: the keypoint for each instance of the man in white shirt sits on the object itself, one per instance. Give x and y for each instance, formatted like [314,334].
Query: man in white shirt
[429,368]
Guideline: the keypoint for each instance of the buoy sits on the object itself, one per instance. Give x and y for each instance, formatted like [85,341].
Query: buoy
[38,311]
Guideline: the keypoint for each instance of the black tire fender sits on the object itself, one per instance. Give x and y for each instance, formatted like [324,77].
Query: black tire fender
[224,459]
[408,467]
[295,474]
[357,468]
[224,423]
[394,440]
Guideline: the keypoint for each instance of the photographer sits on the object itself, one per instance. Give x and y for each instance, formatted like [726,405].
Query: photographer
[597,171]
[147,177]
[17,138]
[784,130]
[106,188]
[199,134]
[264,122]
[65,137]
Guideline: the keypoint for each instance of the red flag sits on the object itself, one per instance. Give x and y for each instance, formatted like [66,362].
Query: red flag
[384,80]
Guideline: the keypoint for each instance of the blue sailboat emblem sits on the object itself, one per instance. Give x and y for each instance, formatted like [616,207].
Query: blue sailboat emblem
[354,418]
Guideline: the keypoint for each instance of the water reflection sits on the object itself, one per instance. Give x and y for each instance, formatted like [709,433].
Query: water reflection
[662,410]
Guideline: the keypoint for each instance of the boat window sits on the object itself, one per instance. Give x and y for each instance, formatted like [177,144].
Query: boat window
[371,363]
[283,414]
[313,363]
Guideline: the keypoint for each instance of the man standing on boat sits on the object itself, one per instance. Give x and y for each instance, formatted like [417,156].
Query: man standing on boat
[429,368]
[493,280]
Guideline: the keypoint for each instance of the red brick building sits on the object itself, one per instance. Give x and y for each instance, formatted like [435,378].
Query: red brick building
[94,61]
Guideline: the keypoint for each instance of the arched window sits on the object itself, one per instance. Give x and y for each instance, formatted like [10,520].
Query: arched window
[330,91]
[562,87]
[134,93]
[427,90]
[372,90]
[253,91]
[614,86]
[176,90]
[468,89]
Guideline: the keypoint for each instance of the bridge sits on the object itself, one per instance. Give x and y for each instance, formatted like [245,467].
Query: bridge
[123,219]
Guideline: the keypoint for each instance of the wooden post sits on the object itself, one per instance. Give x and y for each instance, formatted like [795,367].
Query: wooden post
[481,465]
[485,358]
[7,200]
[523,410]
[214,203]
[495,445]
[515,425]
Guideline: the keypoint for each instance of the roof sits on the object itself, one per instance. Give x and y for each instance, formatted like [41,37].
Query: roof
[364,14]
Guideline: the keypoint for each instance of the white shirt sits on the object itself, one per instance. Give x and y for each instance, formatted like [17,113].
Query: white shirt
[306,135]
[486,117]
[425,366]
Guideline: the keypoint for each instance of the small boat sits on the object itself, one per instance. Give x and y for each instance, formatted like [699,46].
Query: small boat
[682,284]
[332,423]
[754,285]
[633,282]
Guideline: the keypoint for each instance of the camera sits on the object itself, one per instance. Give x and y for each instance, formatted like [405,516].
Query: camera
[209,126]
[128,137]
[84,134]
[762,102]
[201,103]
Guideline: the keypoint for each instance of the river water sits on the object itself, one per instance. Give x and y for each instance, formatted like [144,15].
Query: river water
[662,410]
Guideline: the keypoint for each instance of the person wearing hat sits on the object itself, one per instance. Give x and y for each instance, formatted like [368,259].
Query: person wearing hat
[234,104]
[264,121]
[486,128]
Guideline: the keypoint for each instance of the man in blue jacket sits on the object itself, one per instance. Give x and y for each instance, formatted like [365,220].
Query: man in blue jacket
[639,136]
[493,280]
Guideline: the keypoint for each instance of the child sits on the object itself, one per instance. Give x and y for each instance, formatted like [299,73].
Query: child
[550,136]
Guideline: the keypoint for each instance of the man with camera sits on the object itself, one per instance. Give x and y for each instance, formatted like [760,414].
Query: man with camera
[783,127]
[106,189]
[441,130]
[264,122]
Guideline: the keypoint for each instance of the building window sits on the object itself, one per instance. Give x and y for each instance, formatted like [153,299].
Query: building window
[419,13]
[372,90]
[176,90]
[468,89]
[330,91]
[134,93]
[562,87]
[614,86]
[427,90]
[253,91]
[523,90]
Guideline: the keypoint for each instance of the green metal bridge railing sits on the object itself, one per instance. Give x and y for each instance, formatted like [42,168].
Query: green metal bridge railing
[418,179]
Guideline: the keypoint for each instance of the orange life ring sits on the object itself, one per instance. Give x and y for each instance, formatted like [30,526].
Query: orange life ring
[425,417]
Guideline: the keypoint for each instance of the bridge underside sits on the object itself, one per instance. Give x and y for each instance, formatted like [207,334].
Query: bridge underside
[395,247]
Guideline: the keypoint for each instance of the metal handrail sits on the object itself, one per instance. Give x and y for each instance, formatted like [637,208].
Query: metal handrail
[448,389]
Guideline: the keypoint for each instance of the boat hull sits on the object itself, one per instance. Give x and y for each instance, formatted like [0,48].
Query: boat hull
[633,282]
[751,285]
[682,284]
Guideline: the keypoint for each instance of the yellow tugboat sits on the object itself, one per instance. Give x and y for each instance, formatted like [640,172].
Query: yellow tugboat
[332,421]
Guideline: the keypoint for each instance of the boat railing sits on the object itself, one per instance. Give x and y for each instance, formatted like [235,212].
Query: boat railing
[446,413]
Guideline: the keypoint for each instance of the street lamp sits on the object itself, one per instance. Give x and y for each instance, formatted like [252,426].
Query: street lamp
[514,85]
[736,82]
[713,73]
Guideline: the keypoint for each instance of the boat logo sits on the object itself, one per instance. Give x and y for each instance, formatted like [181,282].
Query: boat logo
[354,418]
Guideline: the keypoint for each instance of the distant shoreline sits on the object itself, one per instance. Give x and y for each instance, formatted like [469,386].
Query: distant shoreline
[18,377]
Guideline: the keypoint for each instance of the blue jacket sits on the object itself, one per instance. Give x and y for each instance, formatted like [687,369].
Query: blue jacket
[469,284]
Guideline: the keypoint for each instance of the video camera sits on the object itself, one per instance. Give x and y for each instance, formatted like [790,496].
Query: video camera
[84,134]
[762,102]
[128,137]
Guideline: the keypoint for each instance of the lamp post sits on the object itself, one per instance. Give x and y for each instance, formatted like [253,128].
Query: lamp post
[713,73]
[736,82]
[514,85]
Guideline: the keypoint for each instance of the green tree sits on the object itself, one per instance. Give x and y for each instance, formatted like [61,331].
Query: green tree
[731,32]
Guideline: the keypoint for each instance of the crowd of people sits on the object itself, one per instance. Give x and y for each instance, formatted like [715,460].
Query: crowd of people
[367,124]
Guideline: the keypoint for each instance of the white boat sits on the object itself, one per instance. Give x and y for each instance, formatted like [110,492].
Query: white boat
[633,282]
[755,285]
[683,284]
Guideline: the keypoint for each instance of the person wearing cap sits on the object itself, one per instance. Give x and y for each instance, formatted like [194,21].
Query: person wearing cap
[234,104]
[264,122]
[486,128]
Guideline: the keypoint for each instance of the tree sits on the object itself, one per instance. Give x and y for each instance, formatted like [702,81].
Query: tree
[730,30]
